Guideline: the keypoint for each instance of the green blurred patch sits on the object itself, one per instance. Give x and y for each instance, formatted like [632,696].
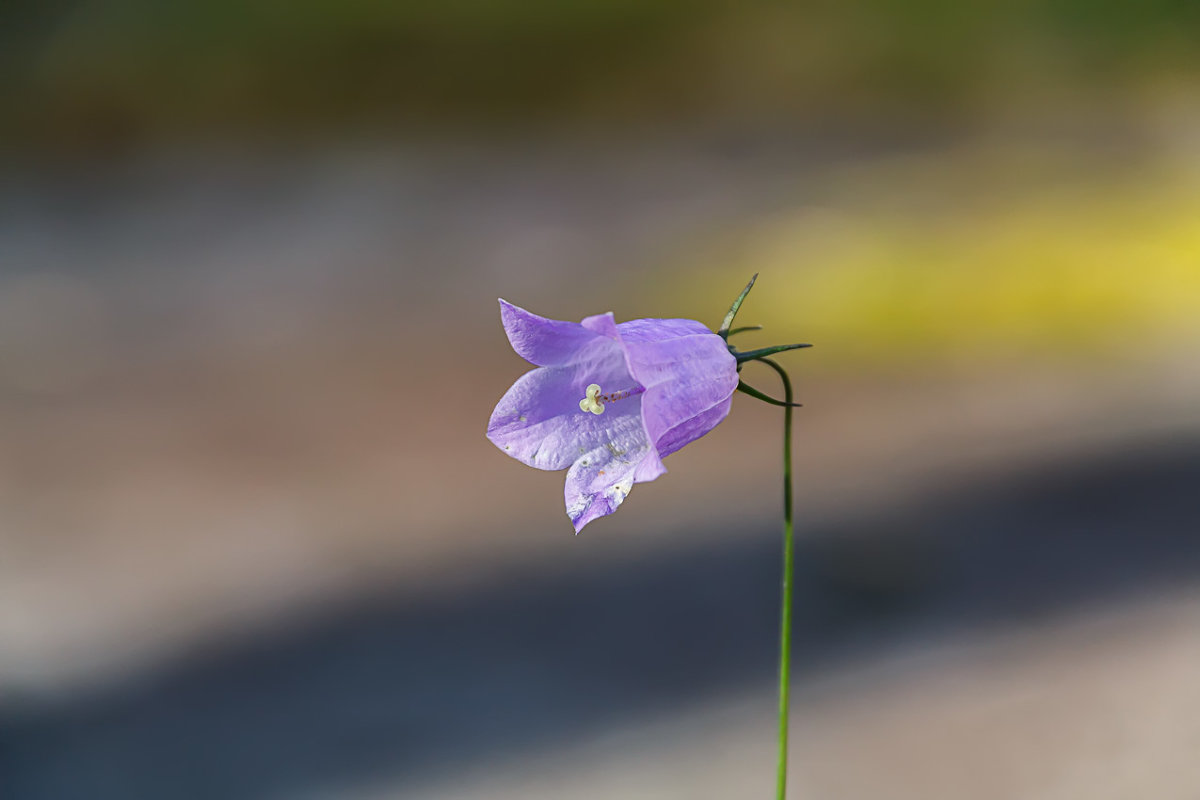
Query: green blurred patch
[141,68]
[953,259]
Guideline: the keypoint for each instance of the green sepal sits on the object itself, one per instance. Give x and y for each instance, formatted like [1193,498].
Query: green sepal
[743,329]
[723,331]
[750,355]
[755,393]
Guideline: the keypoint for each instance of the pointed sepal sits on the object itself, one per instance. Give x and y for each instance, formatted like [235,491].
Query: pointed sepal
[751,355]
[746,388]
[723,331]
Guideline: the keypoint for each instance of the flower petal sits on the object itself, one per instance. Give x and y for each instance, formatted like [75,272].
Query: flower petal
[600,480]
[689,375]
[656,330]
[538,421]
[692,428]
[541,341]
[604,325]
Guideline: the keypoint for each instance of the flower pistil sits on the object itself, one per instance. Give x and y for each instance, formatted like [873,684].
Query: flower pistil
[594,401]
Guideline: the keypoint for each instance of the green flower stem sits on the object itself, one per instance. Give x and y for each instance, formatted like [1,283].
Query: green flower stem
[785,617]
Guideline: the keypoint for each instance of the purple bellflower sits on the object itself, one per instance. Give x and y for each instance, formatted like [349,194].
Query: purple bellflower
[608,402]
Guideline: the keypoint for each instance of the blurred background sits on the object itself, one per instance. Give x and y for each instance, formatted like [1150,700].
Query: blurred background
[255,546]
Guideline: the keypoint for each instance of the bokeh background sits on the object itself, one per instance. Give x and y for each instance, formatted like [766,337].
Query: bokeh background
[255,546]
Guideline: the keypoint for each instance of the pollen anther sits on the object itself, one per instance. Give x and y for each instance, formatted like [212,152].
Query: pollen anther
[591,402]
[594,401]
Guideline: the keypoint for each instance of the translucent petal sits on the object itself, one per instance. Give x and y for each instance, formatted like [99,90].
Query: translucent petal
[541,341]
[599,481]
[689,375]
[539,422]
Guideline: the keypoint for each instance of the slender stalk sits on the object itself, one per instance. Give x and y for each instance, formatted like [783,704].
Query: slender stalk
[785,616]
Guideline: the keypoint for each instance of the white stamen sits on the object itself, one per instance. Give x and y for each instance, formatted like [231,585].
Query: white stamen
[591,402]
[594,402]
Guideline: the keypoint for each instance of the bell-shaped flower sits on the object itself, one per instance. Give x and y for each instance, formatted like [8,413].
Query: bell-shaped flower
[609,401]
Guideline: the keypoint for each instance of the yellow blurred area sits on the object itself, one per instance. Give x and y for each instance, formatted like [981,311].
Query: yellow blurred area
[975,258]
